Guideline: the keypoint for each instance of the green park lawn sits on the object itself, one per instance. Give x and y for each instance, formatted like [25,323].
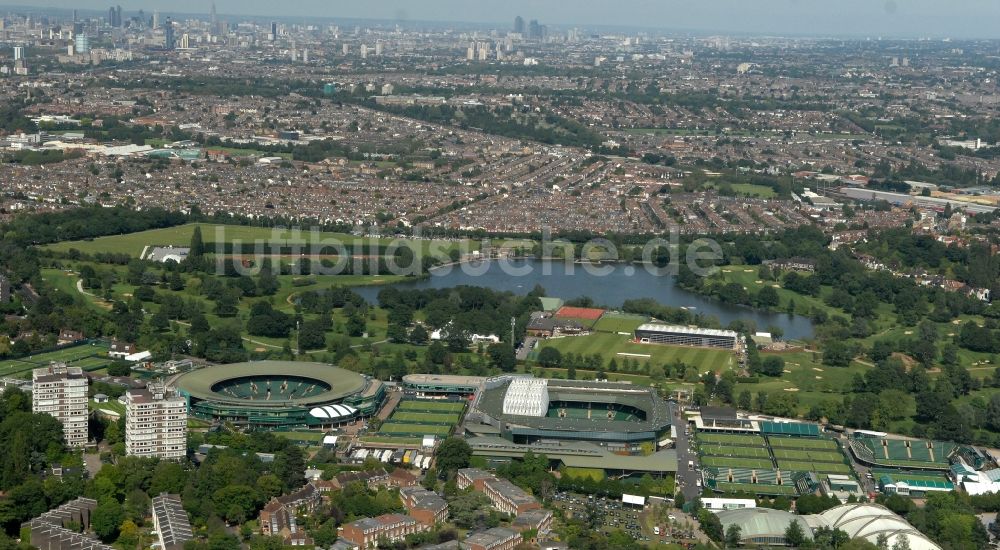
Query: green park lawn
[811,381]
[133,243]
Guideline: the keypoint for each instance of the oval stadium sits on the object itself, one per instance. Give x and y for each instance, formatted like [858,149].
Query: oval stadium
[280,394]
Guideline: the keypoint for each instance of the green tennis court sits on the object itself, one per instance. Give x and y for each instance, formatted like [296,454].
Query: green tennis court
[414,429]
[435,406]
[801,443]
[734,451]
[731,439]
[428,418]
[818,467]
[725,462]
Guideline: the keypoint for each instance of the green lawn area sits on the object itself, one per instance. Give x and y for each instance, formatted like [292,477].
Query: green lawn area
[619,347]
[88,357]
[760,191]
[427,405]
[429,418]
[801,443]
[730,439]
[413,429]
[746,275]
[112,405]
[811,381]
[133,243]
[615,323]
[596,474]
[818,467]
[734,451]
[314,437]
[726,462]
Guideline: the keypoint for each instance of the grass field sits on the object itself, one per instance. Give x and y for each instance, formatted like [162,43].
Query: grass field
[593,473]
[615,323]
[311,437]
[726,462]
[734,451]
[413,429]
[611,346]
[818,467]
[731,439]
[391,440]
[801,443]
[133,243]
[752,488]
[425,418]
[87,357]
[427,405]
[812,456]
[810,380]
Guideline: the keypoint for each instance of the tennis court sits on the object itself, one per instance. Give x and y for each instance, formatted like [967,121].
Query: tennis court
[818,467]
[87,357]
[726,462]
[756,489]
[413,429]
[435,406]
[734,451]
[731,439]
[801,443]
[425,418]
[811,456]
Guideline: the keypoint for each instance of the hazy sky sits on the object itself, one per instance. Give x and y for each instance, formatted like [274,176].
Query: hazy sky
[939,18]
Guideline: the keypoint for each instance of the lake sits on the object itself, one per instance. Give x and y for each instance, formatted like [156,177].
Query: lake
[622,282]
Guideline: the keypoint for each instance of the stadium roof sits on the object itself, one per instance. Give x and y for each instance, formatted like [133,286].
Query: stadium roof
[789,428]
[199,383]
[762,522]
[443,380]
[868,521]
[657,327]
[491,403]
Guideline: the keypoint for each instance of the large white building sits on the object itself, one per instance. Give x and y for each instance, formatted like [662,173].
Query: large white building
[61,392]
[155,423]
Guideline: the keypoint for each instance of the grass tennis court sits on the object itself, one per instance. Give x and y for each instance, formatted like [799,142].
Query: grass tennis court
[734,451]
[818,467]
[87,356]
[725,462]
[731,439]
[391,427]
[615,323]
[391,440]
[811,456]
[801,443]
[756,489]
[435,406]
[425,418]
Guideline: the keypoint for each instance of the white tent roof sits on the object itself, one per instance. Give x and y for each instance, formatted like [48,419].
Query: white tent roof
[333,411]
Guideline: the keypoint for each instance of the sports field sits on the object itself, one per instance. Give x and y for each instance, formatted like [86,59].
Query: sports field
[133,243]
[731,439]
[818,467]
[618,322]
[87,357]
[436,406]
[735,451]
[813,456]
[391,440]
[426,418]
[619,347]
[727,462]
[756,488]
[801,443]
[391,427]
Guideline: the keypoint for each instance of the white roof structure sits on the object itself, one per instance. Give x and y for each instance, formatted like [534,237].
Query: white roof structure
[333,412]
[141,356]
[527,397]
[633,499]
[868,521]
[659,327]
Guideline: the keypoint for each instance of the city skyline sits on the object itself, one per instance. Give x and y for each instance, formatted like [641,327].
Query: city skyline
[891,18]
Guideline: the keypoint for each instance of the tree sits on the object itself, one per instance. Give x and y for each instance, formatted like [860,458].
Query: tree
[453,453]
[197,244]
[418,336]
[768,297]
[106,520]
[794,535]
[549,357]
[502,356]
[734,535]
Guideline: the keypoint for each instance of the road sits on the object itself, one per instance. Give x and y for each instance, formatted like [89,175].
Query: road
[685,476]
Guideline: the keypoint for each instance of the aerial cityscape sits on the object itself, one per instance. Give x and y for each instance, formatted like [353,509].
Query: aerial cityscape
[442,275]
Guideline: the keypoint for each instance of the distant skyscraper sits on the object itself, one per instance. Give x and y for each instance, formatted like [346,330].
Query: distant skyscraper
[379,48]
[82,43]
[156,19]
[274,30]
[115,16]
[213,16]
[519,24]
[168,35]
[75,16]
[18,52]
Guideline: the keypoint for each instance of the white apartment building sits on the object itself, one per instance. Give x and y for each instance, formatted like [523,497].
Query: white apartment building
[61,392]
[155,423]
